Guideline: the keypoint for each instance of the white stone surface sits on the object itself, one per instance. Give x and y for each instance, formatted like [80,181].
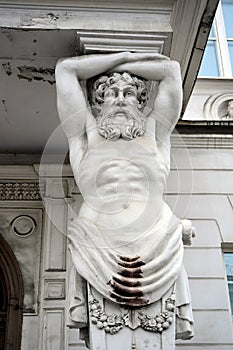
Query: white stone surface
[197,206]
[209,294]
[205,158]
[203,346]
[127,337]
[180,181]
[208,328]
[208,262]
[208,233]
[53,329]
[30,333]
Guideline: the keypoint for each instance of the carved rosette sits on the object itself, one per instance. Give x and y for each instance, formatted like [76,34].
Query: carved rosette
[23,225]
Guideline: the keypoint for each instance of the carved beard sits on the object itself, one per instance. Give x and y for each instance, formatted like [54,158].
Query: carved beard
[112,130]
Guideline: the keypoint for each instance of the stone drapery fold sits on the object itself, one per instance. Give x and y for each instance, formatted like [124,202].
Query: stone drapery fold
[97,256]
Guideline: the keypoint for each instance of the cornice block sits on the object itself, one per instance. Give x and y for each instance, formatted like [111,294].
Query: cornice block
[105,41]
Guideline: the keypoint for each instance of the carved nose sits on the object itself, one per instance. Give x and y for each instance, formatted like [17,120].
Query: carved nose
[120,103]
[120,100]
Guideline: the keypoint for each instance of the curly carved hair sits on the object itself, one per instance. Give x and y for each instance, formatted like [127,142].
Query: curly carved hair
[96,88]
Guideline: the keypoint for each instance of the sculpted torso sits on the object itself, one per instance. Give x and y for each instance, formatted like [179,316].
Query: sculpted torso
[119,163]
[120,183]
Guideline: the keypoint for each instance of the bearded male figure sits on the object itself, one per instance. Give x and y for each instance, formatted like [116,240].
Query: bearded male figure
[125,241]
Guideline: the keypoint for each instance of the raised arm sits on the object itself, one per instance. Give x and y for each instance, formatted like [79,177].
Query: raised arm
[71,102]
[168,102]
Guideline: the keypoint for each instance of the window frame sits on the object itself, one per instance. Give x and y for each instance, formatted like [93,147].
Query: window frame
[227,247]
[223,54]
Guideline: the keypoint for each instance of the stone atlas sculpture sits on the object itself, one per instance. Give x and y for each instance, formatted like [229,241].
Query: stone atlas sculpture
[125,241]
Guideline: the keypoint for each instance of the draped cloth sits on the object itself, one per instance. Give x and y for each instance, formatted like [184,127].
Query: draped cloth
[133,273]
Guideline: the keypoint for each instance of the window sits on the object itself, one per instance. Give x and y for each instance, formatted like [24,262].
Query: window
[228,258]
[218,56]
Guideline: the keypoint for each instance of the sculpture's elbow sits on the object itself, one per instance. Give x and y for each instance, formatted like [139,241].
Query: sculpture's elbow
[60,66]
[173,69]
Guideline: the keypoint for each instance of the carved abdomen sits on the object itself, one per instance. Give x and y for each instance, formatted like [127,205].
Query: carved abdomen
[121,170]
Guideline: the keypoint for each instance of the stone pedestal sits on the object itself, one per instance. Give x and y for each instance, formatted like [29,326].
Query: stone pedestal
[112,327]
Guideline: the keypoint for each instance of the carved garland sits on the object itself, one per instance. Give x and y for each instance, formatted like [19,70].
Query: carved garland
[112,324]
[20,191]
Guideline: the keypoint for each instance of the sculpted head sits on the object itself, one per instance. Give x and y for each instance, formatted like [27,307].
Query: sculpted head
[118,101]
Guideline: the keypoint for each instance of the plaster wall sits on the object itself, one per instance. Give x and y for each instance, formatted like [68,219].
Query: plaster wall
[205,196]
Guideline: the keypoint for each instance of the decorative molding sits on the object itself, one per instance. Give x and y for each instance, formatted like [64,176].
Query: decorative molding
[54,289]
[202,141]
[53,170]
[53,328]
[213,85]
[20,191]
[55,232]
[23,225]
[216,106]
[148,5]
[55,188]
[118,16]
[105,41]
[17,172]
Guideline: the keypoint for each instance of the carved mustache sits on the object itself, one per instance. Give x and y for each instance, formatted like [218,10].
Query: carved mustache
[109,114]
[113,110]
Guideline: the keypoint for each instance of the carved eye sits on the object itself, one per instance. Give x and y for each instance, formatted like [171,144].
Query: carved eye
[129,94]
[110,94]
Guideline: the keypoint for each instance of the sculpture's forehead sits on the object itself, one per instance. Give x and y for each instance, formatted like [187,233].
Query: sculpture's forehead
[121,84]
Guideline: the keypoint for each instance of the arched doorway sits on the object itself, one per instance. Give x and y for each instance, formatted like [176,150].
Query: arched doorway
[11,299]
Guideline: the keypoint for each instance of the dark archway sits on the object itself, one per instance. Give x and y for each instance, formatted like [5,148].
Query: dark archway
[11,295]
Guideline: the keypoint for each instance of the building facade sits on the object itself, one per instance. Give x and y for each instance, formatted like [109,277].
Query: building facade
[37,189]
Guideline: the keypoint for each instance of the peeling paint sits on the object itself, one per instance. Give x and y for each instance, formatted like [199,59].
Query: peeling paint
[34,73]
[7,68]
[48,21]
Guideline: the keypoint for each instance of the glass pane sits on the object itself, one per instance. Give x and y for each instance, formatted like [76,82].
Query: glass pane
[227,7]
[228,258]
[230,46]
[212,32]
[209,65]
[230,288]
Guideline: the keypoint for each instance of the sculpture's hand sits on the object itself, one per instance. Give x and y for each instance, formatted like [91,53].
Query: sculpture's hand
[143,56]
[137,57]
[188,231]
